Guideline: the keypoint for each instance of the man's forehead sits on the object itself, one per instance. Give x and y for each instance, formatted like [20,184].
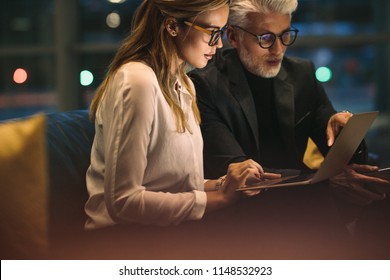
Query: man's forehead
[267,21]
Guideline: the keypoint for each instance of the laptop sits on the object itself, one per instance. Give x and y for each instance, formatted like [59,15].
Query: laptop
[335,161]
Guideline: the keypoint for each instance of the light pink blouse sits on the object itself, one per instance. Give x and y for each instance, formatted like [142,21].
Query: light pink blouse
[142,170]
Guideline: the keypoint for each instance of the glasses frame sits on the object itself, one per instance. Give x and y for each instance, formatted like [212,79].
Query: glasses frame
[259,37]
[215,34]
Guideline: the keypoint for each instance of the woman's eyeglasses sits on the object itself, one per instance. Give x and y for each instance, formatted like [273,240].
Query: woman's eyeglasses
[215,34]
[267,40]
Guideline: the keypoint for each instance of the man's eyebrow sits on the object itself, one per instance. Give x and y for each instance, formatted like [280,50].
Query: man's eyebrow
[268,31]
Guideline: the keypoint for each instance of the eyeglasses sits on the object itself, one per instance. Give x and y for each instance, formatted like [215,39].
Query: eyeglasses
[267,40]
[215,34]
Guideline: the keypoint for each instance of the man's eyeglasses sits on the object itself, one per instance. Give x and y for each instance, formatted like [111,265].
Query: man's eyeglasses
[215,34]
[267,40]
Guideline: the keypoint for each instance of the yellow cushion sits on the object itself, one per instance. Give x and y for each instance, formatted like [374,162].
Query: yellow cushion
[313,157]
[23,189]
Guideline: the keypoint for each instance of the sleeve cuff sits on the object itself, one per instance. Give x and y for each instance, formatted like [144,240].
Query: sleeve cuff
[199,206]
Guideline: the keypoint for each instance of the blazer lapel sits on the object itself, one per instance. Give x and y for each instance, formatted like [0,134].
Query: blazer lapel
[284,99]
[241,92]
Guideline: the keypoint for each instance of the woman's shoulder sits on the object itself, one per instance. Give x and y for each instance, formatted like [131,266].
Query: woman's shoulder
[136,73]
[133,84]
[133,81]
[136,66]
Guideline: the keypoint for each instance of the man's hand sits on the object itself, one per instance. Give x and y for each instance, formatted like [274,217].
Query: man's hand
[357,186]
[335,123]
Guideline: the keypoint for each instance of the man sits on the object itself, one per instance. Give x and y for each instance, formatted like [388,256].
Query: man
[256,103]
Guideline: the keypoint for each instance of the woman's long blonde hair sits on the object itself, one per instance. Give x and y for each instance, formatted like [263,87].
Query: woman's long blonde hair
[150,43]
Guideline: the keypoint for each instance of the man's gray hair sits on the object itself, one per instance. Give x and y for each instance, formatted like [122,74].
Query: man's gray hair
[240,8]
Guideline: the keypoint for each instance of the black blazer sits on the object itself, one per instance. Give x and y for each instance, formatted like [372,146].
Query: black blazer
[229,121]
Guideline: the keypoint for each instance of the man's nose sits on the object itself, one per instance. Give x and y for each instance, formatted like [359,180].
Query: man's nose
[277,47]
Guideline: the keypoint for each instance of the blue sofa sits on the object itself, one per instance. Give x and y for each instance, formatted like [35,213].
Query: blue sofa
[69,140]
[43,161]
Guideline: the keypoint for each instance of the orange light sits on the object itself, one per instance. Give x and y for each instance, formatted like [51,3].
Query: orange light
[20,76]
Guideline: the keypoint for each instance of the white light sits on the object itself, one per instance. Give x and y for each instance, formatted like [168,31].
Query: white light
[113,20]
[116,1]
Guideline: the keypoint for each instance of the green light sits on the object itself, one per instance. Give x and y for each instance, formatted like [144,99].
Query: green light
[323,74]
[86,78]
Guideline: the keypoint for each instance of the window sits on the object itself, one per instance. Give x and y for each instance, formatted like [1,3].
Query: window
[54,41]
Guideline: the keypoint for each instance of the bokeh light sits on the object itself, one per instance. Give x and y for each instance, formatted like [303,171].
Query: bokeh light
[20,76]
[116,1]
[323,74]
[113,20]
[86,78]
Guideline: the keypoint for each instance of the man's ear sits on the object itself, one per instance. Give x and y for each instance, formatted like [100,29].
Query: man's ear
[232,36]
[171,26]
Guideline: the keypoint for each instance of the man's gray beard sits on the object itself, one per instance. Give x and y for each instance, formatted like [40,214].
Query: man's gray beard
[256,69]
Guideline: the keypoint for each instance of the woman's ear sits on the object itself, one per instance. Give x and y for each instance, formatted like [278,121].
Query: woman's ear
[171,26]
[232,36]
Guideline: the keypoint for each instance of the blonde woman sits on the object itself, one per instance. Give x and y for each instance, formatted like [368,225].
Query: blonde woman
[146,162]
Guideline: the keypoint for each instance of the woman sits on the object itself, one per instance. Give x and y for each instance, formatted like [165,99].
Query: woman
[146,162]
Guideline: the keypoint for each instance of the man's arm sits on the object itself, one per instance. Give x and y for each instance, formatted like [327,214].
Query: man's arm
[323,115]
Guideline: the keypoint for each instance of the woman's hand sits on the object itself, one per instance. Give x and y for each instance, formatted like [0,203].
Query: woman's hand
[238,175]
[253,180]
[357,186]
[222,192]
[335,124]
